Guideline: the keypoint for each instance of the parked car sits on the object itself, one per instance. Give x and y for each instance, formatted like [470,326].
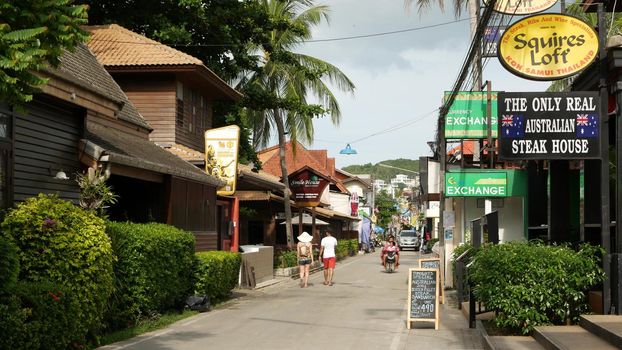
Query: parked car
[409,239]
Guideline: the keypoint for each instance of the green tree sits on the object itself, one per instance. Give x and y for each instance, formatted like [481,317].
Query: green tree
[278,93]
[385,206]
[33,35]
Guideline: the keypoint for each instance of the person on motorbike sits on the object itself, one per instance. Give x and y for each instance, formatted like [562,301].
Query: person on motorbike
[390,247]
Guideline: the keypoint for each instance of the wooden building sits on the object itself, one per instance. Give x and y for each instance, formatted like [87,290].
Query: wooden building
[175,93]
[82,119]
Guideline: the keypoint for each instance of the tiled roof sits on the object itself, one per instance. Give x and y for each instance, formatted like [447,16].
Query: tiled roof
[81,68]
[116,46]
[143,154]
[186,153]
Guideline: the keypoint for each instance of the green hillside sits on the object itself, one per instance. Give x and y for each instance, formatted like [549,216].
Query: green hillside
[385,173]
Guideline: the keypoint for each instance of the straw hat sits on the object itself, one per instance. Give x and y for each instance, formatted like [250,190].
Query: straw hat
[305,237]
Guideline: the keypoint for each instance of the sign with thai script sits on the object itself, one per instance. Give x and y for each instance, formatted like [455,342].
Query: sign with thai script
[221,156]
[476,184]
[467,119]
[554,125]
[307,186]
[522,7]
[548,47]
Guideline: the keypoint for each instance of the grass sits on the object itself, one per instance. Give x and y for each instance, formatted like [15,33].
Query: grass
[144,327]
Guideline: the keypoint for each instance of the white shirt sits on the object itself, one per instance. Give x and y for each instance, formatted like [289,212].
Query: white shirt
[329,243]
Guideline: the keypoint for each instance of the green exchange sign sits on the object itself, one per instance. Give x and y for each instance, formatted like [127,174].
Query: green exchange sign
[474,184]
[466,118]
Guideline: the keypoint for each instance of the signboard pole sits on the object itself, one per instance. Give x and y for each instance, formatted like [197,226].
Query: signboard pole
[491,147]
[604,153]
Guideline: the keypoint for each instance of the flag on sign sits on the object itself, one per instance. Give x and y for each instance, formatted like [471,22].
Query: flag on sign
[587,125]
[512,126]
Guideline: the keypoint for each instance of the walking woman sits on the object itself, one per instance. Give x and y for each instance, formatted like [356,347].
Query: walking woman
[304,252]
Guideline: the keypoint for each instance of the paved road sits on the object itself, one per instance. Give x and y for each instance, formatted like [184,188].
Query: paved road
[364,309]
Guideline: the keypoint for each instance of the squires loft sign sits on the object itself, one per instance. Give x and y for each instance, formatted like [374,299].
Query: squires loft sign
[548,46]
[540,125]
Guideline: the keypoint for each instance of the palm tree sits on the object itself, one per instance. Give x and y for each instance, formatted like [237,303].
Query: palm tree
[423,5]
[288,79]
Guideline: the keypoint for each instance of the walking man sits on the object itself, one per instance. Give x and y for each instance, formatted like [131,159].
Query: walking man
[327,252]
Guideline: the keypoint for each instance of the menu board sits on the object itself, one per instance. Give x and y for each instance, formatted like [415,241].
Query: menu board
[435,263]
[423,295]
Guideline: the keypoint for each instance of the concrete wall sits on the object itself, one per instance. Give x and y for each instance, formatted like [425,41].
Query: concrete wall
[511,225]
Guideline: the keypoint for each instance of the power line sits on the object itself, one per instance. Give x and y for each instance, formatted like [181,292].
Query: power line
[363,36]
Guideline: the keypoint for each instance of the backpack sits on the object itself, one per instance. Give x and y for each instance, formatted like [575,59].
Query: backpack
[304,250]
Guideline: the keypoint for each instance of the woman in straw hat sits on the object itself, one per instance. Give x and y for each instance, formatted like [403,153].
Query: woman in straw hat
[304,252]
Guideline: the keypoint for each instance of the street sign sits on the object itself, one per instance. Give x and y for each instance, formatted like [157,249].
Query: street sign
[549,125]
[476,184]
[490,40]
[522,7]
[307,186]
[467,119]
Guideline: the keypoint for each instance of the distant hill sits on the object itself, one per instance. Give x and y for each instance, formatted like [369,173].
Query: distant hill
[385,173]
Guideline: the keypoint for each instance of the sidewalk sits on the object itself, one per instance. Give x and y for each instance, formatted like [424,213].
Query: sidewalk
[453,333]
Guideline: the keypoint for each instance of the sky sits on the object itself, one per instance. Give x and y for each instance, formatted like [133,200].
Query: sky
[400,78]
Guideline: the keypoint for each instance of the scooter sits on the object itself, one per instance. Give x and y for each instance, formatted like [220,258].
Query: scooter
[389,265]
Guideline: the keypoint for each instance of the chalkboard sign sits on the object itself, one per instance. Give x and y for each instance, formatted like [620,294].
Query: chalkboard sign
[435,264]
[423,295]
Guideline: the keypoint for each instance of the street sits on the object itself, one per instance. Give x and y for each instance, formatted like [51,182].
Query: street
[364,309]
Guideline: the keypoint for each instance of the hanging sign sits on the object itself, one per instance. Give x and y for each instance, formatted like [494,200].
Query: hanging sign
[221,156]
[522,7]
[490,40]
[476,184]
[548,47]
[553,125]
[467,119]
[307,186]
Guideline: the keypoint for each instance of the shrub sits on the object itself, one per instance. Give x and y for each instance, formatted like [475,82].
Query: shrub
[38,316]
[429,244]
[531,284]
[286,258]
[9,264]
[153,272]
[68,246]
[217,273]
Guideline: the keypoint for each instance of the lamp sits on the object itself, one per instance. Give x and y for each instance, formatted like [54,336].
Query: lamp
[59,174]
[348,150]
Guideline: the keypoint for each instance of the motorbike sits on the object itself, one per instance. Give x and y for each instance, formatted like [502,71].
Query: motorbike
[390,262]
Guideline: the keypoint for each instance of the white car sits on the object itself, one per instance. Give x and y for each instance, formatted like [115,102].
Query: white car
[409,239]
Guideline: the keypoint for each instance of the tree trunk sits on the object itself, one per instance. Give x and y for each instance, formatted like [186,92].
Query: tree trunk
[288,209]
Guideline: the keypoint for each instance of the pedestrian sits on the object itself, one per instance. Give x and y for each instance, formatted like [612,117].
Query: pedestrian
[327,253]
[304,253]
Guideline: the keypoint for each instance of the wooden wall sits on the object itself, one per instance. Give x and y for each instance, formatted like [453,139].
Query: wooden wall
[46,141]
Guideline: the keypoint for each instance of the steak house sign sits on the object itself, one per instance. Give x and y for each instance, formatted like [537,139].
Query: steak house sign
[540,125]
[548,46]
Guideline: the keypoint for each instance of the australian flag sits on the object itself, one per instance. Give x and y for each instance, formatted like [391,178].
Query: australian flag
[587,125]
[512,126]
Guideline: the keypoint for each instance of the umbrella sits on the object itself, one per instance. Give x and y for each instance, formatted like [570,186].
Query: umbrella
[378,229]
[306,220]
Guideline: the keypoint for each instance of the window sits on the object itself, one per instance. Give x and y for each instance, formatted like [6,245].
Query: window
[179,112]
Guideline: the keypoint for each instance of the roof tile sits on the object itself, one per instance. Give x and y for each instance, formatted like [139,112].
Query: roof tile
[116,46]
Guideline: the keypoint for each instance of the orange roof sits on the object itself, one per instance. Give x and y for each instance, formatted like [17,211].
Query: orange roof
[116,46]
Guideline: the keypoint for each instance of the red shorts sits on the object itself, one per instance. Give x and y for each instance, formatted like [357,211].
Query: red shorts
[329,263]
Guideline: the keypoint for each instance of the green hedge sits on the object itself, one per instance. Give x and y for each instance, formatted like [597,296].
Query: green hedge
[68,246]
[285,258]
[9,264]
[37,315]
[153,273]
[532,284]
[216,273]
